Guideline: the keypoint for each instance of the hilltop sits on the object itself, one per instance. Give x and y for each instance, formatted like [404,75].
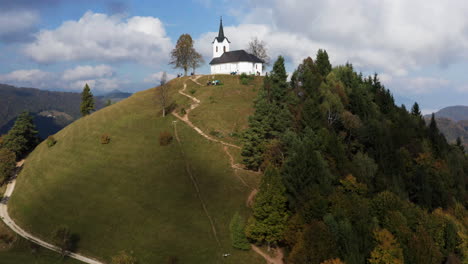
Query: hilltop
[134,194]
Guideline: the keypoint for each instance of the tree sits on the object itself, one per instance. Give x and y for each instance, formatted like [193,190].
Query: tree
[123,258]
[270,214]
[387,251]
[108,102]
[323,64]
[184,55]
[258,48]
[163,94]
[87,101]
[7,163]
[197,60]
[63,239]
[238,238]
[415,110]
[22,137]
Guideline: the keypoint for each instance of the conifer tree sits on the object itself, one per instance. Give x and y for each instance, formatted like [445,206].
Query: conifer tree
[87,101]
[22,137]
[415,110]
[324,66]
[270,213]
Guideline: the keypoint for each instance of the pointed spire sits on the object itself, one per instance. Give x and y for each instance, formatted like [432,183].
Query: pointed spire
[221,31]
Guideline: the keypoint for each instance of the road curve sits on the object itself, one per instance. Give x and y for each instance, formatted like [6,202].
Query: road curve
[11,224]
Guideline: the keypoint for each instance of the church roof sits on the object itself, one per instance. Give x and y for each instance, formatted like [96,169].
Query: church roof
[236,56]
[220,38]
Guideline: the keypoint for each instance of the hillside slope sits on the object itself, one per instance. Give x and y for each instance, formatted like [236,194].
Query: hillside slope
[456,113]
[134,194]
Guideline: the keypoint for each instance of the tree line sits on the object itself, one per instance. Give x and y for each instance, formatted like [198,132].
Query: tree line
[348,176]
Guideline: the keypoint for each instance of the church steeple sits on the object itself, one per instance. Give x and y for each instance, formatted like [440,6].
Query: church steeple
[221,31]
[220,43]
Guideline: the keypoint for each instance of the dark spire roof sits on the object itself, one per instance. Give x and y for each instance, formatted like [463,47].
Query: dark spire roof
[236,56]
[220,38]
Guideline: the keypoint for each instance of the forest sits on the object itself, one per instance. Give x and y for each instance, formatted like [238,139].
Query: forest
[350,177]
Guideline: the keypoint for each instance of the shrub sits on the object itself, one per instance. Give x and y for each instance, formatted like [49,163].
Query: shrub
[165,138]
[192,91]
[238,238]
[244,81]
[216,133]
[182,111]
[51,141]
[105,139]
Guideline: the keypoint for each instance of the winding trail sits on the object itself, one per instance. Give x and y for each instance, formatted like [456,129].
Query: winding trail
[278,258]
[18,230]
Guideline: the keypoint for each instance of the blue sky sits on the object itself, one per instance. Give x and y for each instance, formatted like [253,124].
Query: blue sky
[419,48]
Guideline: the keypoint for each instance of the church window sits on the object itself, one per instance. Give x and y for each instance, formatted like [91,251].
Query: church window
[224,48]
[216,48]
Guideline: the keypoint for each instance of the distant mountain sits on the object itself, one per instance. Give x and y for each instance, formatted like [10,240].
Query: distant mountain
[453,123]
[51,110]
[114,96]
[456,113]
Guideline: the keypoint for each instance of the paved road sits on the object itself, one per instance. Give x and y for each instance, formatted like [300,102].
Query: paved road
[10,223]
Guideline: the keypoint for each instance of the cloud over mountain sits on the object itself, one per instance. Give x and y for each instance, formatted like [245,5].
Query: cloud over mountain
[100,37]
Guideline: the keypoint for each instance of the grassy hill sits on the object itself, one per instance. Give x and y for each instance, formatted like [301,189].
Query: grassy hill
[135,195]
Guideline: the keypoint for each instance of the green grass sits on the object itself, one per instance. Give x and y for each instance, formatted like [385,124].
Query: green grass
[25,252]
[133,194]
[224,108]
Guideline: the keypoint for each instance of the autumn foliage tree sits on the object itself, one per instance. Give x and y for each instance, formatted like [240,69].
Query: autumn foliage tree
[184,55]
[387,251]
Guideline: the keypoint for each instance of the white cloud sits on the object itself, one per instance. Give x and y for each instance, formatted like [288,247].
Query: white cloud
[88,72]
[38,78]
[155,78]
[101,80]
[16,21]
[100,37]
[395,36]
[462,88]
[417,85]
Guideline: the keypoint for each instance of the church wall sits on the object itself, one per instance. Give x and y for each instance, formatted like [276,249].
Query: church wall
[240,67]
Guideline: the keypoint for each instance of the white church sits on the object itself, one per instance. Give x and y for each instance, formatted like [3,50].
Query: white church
[238,61]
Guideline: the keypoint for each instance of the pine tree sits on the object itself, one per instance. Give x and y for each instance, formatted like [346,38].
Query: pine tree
[87,101]
[324,66]
[270,214]
[415,110]
[22,137]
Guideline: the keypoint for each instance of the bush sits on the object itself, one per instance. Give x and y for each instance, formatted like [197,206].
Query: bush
[192,91]
[105,139]
[216,133]
[245,79]
[182,111]
[238,238]
[51,141]
[165,138]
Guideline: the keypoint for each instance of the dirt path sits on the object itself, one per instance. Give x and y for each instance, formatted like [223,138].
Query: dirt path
[278,258]
[195,184]
[18,230]
[185,118]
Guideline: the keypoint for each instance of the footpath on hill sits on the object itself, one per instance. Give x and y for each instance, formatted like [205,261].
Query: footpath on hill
[278,257]
[21,232]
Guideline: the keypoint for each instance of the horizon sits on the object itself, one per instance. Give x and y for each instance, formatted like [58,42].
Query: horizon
[418,53]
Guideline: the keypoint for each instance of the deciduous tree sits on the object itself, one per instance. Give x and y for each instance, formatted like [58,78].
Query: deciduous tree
[7,164]
[258,48]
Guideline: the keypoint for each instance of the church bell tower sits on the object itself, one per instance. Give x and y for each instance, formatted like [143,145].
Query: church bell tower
[220,43]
